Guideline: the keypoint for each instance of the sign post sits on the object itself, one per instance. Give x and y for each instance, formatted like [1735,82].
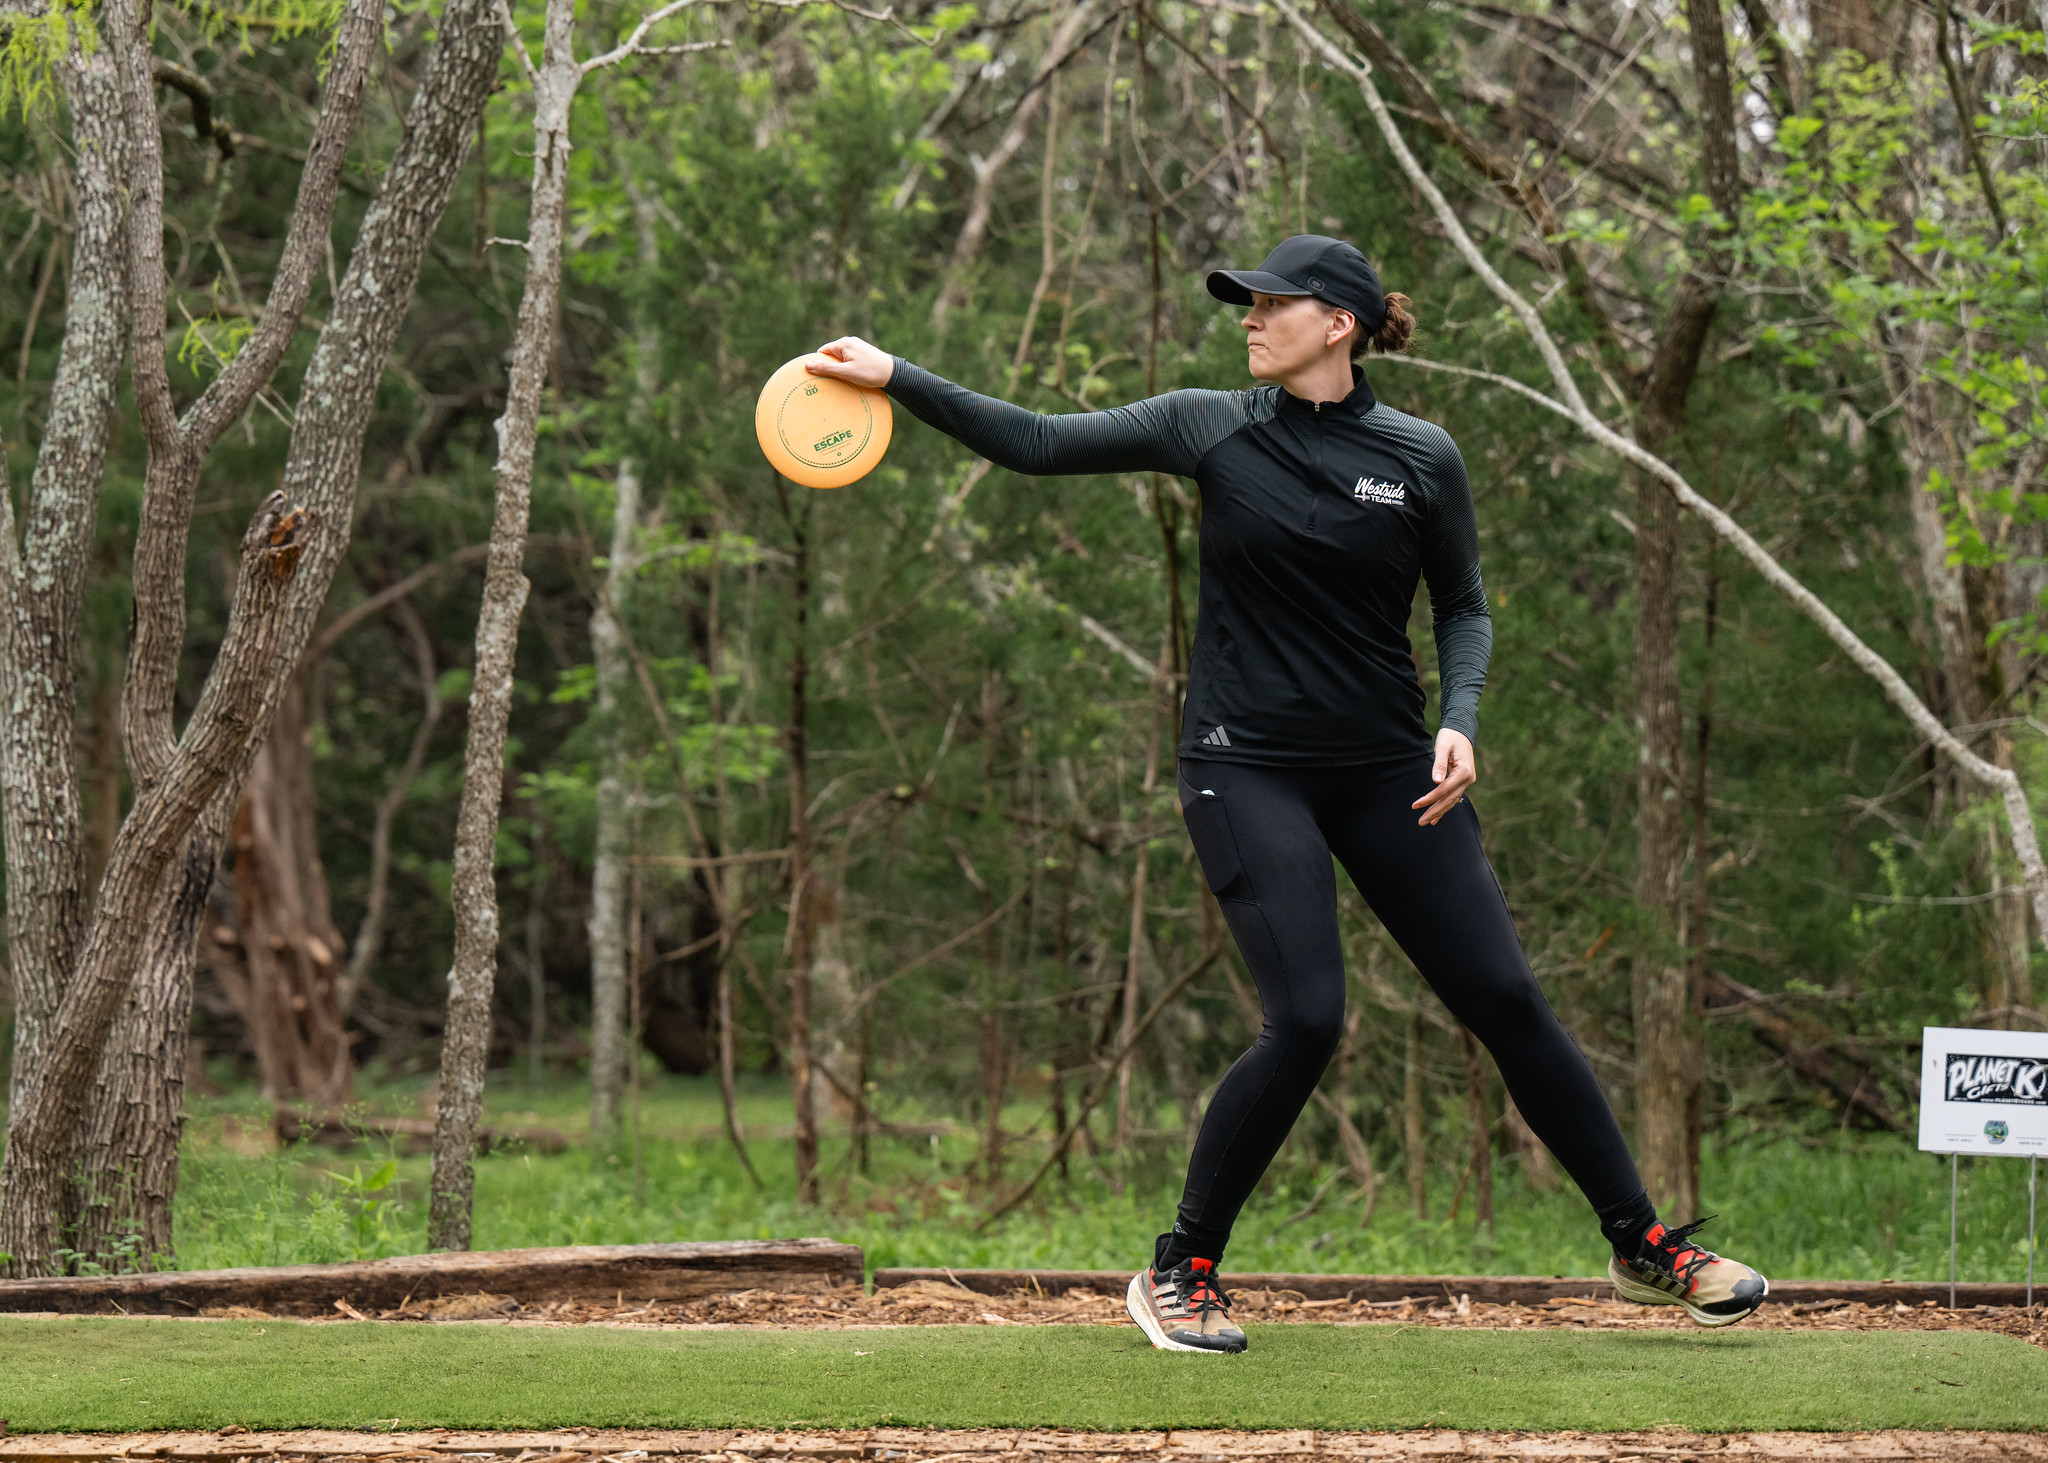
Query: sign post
[1985,1092]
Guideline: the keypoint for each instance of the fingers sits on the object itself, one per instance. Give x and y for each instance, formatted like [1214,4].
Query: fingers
[835,351]
[1439,801]
[1453,772]
[850,358]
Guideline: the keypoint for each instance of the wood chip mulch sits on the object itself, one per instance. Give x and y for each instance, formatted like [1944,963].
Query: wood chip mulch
[927,1303]
[913,1445]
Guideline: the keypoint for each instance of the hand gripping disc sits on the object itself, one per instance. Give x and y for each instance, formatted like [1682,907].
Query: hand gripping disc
[821,432]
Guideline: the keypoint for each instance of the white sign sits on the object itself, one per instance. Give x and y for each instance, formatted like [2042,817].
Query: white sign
[1984,1091]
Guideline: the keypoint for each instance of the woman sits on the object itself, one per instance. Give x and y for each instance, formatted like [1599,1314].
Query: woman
[1303,738]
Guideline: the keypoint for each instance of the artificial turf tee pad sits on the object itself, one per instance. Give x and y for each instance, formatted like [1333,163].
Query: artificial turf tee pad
[140,1375]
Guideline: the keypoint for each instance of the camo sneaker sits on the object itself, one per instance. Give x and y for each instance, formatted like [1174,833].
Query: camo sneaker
[1670,1270]
[1184,1309]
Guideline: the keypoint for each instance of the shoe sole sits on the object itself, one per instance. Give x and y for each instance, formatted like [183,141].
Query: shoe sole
[1644,1295]
[1138,1302]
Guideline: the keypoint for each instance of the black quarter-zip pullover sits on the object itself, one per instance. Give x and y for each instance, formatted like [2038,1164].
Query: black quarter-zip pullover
[1318,520]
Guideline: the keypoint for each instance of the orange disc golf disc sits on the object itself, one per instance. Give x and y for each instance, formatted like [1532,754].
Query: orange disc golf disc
[818,431]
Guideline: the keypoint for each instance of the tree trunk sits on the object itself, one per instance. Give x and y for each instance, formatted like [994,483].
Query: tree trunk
[1162,688]
[1482,1137]
[614,821]
[608,872]
[1666,1030]
[293,1005]
[1661,990]
[48,1114]
[47,896]
[288,564]
[103,768]
[129,1145]
[465,1043]
[801,873]
[1412,1119]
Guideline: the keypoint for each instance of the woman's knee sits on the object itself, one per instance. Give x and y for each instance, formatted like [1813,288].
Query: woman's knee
[1310,1029]
[1509,1010]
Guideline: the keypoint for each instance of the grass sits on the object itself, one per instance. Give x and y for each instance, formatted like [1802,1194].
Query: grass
[116,1375]
[1838,1207]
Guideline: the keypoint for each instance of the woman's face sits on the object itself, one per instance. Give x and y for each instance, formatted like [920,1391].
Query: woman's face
[1286,334]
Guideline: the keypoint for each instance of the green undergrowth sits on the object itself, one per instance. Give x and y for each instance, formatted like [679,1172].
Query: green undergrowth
[116,1375]
[1837,1207]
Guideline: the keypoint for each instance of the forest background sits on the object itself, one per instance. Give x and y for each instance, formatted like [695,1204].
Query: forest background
[836,884]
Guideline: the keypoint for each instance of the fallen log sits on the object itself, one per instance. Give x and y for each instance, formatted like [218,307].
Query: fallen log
[411,1135]
[1841,1064]
[1528,1290]
[579,1272]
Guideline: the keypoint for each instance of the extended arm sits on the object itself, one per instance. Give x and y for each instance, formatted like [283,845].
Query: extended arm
[1159,434]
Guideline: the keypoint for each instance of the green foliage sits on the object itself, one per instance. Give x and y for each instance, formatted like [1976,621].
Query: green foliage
[288,1208]
[239,27]
[1815,1204]
[208,345]
[32,42]
[1947,276]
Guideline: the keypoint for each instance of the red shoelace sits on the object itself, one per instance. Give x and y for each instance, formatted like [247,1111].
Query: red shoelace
[1669,1252]
[1206,1294]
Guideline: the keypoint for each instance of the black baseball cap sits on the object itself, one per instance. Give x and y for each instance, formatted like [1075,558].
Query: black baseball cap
[1310,264]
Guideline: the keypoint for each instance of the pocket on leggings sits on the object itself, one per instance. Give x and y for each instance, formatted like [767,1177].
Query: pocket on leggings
[1207,815]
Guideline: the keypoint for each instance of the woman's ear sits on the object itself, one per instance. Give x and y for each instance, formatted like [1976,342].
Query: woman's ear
[1341,323]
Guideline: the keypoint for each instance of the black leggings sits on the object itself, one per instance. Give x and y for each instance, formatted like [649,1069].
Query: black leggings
[1265,836]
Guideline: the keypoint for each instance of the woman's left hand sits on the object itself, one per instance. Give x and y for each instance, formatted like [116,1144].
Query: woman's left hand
[1454,771]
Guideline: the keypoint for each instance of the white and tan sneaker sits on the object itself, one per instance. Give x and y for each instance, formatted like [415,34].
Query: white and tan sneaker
[1670,1270]
[1184,1309]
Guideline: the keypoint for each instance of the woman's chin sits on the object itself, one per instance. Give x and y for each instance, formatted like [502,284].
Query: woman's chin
[1256,363]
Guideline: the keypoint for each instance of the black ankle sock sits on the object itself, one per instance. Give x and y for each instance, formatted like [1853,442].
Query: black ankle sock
[1626,1223]
[1176,1245]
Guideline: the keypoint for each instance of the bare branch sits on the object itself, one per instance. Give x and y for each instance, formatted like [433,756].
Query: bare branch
[1081,23]
[631,44]
[518,46]
[177,448]
[1109,637]
[1092,1099]
[205,126]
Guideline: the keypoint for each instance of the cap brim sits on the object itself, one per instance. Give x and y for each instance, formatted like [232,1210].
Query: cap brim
[1237,286]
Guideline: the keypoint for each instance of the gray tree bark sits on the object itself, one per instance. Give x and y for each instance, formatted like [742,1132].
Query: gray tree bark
[50,1105]
[128,1145]
[133,1121]
[1667,1075]
[608,873]
[465,1044]
[289,556]
[39,619]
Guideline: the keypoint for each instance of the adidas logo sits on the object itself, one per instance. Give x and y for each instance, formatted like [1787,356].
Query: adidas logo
[1376,490]
[1217,738]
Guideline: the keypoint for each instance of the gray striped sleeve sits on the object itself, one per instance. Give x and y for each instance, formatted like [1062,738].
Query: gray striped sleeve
[1450,565]
[1167,433]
